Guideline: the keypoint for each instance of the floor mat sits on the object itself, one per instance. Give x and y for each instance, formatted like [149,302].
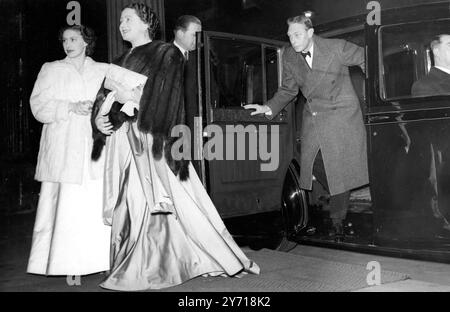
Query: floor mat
[289,272]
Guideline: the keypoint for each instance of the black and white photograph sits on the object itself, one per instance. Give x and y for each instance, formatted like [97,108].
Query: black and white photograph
[225,152]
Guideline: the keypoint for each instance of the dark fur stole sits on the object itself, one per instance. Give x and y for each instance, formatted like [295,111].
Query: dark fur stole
[162,102]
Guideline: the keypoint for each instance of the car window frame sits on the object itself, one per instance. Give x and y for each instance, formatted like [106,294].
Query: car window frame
[262,43]
[381,68]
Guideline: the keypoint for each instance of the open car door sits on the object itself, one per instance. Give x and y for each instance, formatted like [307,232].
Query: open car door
[245,158]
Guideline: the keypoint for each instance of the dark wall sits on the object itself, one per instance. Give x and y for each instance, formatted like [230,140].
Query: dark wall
[261,18]
[267,18]
[44,18]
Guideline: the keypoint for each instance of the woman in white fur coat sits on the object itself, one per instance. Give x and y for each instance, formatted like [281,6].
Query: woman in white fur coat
[69,236]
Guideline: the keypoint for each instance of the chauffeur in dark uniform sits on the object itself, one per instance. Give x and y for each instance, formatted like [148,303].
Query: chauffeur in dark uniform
[333,136]
[185,31]
[438,79]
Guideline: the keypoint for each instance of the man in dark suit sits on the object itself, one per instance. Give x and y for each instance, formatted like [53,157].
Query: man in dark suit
[185,31]
[437,82]
[333,136]
[438,79]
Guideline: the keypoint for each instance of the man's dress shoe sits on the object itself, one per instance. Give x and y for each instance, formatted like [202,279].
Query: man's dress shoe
[337,232]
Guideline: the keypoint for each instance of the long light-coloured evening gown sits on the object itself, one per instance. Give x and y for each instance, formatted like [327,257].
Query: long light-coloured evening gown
[164,231]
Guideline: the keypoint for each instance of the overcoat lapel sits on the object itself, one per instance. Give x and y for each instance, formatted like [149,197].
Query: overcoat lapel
[304,67]
[321,62]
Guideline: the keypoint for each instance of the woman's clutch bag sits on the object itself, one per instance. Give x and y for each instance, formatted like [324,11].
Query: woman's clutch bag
[127,79]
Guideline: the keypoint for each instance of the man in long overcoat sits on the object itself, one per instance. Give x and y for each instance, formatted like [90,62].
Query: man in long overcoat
[333,136]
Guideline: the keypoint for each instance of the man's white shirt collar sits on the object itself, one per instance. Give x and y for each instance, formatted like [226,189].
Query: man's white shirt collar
[445,70]
[183,51]
[309,59]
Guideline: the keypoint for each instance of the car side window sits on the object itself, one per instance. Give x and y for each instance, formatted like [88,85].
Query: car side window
[241,72]
[405,56]
[236,72]
[272,73]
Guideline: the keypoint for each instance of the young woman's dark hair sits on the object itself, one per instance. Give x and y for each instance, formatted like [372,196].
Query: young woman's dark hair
[85,32]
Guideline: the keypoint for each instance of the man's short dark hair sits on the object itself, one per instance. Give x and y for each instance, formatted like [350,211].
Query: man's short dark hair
[184,21]
[300,19]
[437,40]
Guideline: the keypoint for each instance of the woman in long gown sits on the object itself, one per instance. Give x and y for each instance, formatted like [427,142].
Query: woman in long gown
[69,236]
[165,228]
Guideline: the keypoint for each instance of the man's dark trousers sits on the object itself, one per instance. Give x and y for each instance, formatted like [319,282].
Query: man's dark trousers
[339,202]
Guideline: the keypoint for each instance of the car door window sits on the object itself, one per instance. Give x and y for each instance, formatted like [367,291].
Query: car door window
[242,72]
[272,73]
[405,55]
[236,73]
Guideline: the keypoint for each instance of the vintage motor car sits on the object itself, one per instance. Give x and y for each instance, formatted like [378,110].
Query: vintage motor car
[404,211]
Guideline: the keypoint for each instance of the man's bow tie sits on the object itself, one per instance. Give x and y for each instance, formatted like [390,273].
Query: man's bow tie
[305,54]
